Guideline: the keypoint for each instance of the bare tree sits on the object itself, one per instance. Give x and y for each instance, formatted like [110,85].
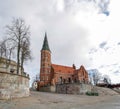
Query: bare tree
[96,77]
[18,33]
[6,50]
[2,48]
[106,79]
[25,52]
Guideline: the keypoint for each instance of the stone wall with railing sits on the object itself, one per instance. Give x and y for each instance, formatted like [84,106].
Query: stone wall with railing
[12,85]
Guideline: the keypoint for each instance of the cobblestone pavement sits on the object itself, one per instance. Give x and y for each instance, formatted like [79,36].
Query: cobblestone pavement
[42,100]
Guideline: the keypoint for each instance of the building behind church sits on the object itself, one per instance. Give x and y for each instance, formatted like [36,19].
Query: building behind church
[52,74]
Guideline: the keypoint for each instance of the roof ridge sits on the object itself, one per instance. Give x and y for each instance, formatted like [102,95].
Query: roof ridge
[63,65]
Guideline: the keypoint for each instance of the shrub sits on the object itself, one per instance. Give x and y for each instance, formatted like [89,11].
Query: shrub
[92,93]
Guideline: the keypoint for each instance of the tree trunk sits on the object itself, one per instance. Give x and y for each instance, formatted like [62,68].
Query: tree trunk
[22,60]
[18,60]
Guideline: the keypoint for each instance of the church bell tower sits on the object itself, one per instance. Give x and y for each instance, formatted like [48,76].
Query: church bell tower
[45,66]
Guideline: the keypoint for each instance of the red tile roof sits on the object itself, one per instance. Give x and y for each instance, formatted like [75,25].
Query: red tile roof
[62,69]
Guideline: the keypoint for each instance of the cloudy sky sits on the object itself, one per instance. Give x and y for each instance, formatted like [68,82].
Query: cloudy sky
[83,32]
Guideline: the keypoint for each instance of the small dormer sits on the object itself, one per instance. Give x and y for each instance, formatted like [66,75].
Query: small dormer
[74,67]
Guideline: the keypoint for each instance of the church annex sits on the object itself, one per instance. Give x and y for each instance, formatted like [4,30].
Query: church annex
[52,74]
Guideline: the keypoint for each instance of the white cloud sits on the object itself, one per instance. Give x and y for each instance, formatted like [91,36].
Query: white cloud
[74,27]
[107,60]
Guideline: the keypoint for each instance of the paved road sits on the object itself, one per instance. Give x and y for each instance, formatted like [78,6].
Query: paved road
[41,100]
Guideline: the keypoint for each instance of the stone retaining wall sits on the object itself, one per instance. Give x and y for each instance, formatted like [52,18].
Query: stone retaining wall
[48,89]
[13,86]
[68,88]
[72,88]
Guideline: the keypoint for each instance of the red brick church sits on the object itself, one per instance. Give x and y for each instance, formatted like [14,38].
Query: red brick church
[51,74]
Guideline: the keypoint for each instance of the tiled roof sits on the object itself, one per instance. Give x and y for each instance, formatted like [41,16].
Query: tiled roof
[62,69]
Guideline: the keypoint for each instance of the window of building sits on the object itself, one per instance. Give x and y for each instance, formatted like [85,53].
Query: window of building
[47,78]
[42,78]
[69,80]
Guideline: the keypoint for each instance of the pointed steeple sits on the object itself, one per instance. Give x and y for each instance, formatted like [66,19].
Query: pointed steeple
[45,43]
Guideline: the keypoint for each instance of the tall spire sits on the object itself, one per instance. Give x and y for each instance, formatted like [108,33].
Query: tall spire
[45,43]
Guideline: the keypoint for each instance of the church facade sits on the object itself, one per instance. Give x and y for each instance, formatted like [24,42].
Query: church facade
[52,74]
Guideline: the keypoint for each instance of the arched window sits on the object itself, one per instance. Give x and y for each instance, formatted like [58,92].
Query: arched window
[69,80]
[61,79]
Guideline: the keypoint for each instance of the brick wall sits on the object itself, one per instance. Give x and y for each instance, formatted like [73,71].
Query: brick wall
[13,86]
